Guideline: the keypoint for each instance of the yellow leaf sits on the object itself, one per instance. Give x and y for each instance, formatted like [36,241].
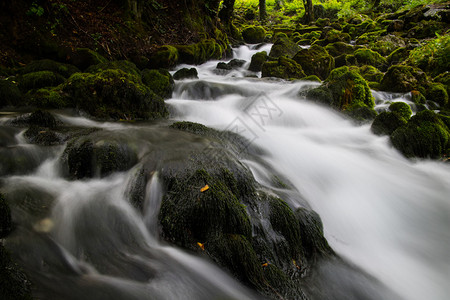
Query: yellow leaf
[205,188]
[265,265]
[295,264]
[202,246]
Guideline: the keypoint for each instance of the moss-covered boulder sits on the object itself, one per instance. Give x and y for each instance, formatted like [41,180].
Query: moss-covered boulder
[315,61]
[339,48]
[200,52]
[97,155]
[424,136]
[283,46]
[159,81]
[387,122]
[51,97]
[366,56]
[258,59]
[113,94]
[427,29]
[40,79]
[397,56]
[370,73]
[386,44]
[62,69]
[164,57]
[186,73]
[253,34]
[333,36]
[403,79]
[402,109]
[284,67]
[82,58]
[344,89]
[10,93]
[123,65]
[369,37]
[437,92]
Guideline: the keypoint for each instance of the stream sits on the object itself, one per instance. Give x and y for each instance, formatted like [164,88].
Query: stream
[387,215]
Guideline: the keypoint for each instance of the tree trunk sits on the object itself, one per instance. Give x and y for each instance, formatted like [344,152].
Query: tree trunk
[262,10]
[226,13]
[309,11]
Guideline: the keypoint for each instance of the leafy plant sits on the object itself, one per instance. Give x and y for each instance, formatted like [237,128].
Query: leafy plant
[35,10]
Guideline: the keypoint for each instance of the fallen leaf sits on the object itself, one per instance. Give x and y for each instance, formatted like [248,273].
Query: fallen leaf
[205,188]
[295,264]
[202,246]
[265,265]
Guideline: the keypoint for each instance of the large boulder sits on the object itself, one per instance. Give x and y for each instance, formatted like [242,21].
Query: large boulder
[164,57]
[254,34]
[284,68]
[62,69]
[159,81]
[403,79]
[283,46]
[425,136]
[258,59]
[366,56]
[39,79]
[200,52]
[315,61]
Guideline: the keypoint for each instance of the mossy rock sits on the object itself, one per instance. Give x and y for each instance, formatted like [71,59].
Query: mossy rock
[315,61]
[52,97]
[366,56]
[444,78]
[403,79]
[186,73]
[427,29]
[344,89]
[258,59]
[253,34]
[113,94]
[10,93]
[333,36]
[6,225]
[159,81]
[123,65]
[387,122]
[82,58]
[417,97]
[437,92]
[313,78]
[362,115]
[40,79]
[39,118]
[424,136]
[164,57]
[370,37]
[284,68]
[397,56]
[200,52]
[402,109]
[97,155]
[284,46]
[62,69]
[386,44]
[339,48]
[370,73]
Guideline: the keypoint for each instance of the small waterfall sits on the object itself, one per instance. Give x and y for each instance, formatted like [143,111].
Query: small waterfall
[152,204]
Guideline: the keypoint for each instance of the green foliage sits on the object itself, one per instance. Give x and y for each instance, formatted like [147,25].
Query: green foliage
[35,10]
[433,56]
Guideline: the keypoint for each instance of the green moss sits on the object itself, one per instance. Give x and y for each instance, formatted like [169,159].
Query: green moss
[403,79]
[369,37]
[427,29]
[164,57]
[339,48]
[387,122]
[370,73]
[283,46]
[315,61]
[417,97]
[397,56]
[113,94]
[312,78]
[320,94]
[64,70]
[284,67]
[437,93]
[258,59]
[253,34]
[192,127]
[159,81]
[338,72]
[424,136]
[123,65]
[350,90]
[402,109]
[48,98]
[10,94]
[39,79]
[200,52]
[333,36]
[366,56]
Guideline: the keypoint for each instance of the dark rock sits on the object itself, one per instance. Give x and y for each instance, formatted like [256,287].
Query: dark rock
[403,79]
[186,73]
[387,122]
[284,68]
[258,59]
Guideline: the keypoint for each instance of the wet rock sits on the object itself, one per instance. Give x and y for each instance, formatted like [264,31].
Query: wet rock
[186,73]
[315,61]
[258,59]
[403,79]
[283,46]
[387,122]
[159,81]
[284,68]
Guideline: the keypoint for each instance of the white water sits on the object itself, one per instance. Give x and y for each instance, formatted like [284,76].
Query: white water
[386,214]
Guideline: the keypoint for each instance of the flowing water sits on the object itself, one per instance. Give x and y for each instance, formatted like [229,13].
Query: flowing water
[387,215]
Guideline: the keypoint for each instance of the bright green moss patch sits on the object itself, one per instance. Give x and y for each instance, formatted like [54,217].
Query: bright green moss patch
[284,67]
[315,61]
